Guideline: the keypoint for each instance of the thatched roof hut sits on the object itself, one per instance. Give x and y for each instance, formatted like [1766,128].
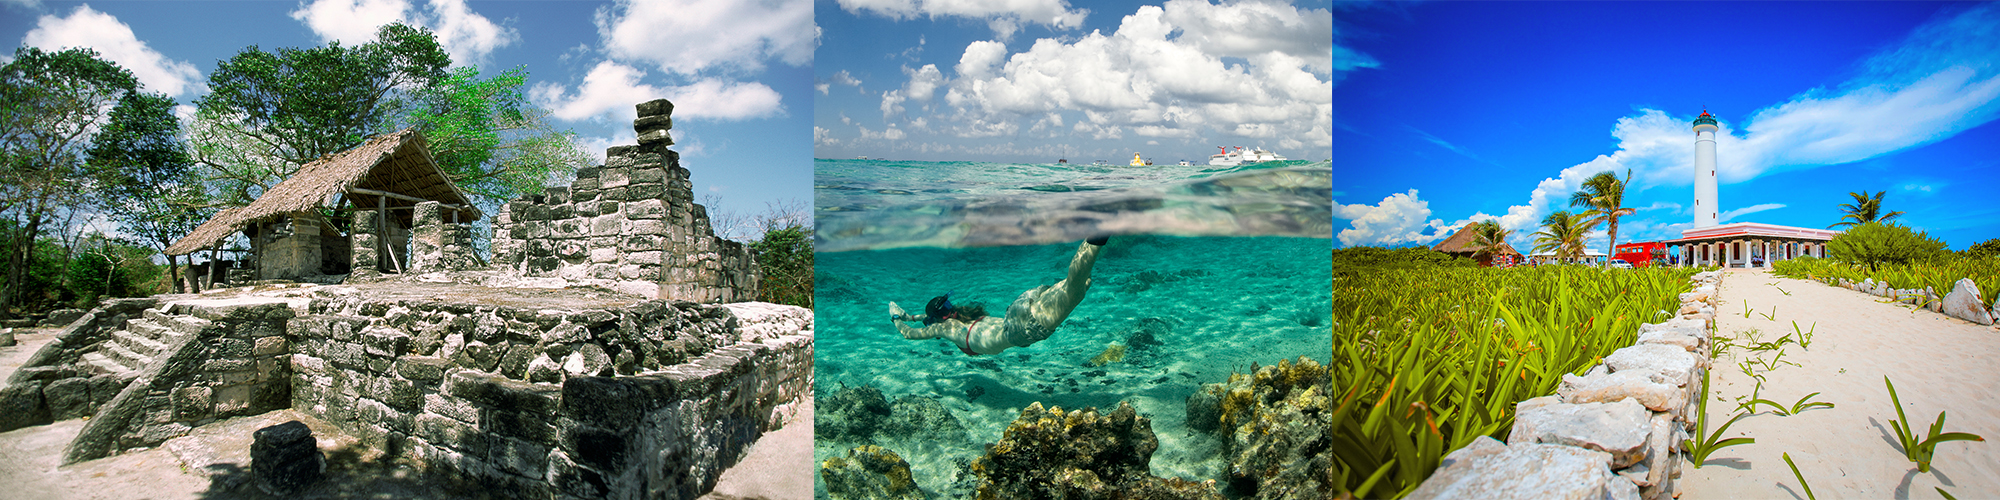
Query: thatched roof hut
[1460,244]
[389,171]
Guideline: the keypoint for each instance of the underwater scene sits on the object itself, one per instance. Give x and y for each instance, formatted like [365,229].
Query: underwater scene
[1201,357]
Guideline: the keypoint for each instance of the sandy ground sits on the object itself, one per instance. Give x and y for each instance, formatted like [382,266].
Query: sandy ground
[1938,364]
[777,467]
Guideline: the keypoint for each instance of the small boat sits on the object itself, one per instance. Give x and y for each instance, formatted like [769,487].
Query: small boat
[1229,159]
[1136,162]
[860,157]
[1099,162]
[1062,161]
[1185,163]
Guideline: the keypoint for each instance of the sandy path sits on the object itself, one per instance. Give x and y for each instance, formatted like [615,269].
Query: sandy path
[1938,364]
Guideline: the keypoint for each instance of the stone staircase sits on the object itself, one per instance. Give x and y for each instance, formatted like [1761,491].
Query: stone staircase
[128,351]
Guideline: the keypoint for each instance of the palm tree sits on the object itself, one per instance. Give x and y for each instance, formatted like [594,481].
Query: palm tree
[1604,193]
[1865,209]
[1487,239]
[1563,232]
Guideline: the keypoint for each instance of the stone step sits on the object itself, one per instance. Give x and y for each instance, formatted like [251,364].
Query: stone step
[155,315]
[130,360]
[187,325]
[101,364]
[149,329]
[138,343]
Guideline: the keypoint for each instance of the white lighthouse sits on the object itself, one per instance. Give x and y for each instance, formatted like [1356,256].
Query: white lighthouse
[1706,208]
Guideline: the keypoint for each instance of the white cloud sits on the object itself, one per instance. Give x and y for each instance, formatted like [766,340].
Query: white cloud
[1251,28]
[610,90]
[841,77]
[115,42]
[720,100]
[466,35]
[1400,218]
[1732,214]
[1004,17]
[824,137]
[891,134]
[1144,78]
[690,36]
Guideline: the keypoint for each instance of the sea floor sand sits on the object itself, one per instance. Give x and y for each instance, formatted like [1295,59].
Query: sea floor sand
[1938,364]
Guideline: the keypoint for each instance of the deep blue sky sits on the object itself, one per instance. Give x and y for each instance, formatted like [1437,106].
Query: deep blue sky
[1079,80]
[738,72]
[1480,106]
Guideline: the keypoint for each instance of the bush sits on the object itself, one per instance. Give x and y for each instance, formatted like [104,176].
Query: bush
[1407,257]
[1876,243]
[1988,248]
[784,256]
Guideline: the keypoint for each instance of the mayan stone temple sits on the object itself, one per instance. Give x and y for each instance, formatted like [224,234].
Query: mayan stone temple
[607,350]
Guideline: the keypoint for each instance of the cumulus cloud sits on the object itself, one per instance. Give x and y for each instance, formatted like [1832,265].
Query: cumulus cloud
[115,42]
[1399,218]
[610,89]
[841,77]
[1004,17]
[466,35]
[682,36]
[1151,77]
[1942,79]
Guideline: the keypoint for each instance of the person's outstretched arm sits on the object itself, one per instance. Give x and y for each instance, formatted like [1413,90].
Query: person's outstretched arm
[935,330]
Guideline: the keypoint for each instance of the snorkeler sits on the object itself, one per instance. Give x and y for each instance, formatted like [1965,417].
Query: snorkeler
[1031,318]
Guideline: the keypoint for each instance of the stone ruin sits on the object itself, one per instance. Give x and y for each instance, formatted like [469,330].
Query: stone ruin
[537,392]
[632,223]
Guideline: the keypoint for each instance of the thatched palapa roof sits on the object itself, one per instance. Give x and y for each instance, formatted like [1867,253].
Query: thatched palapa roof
[398,163]
[1461,242]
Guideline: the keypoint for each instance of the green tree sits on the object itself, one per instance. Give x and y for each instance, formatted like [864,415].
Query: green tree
[1876,243]
[50,105]
[785,258]
[1604,193]
[1563,232]
[296,105]
[488,138]
[1865,209]
[141,174]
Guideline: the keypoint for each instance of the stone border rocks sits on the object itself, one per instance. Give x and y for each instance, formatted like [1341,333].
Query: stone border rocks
[1963,302]
[1613,433]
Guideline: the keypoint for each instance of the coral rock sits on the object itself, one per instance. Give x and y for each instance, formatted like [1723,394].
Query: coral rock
[1275,424]
[870,472]
[1081,454]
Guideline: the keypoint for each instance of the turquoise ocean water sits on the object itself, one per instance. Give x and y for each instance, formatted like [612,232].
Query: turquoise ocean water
[1215,304]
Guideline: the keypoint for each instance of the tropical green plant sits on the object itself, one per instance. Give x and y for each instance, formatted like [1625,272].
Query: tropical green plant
[1802,477]
[1921,452]
[1773,316]
[1373,259]
[1703,443]
[1941,492]
[1604,193]
[1864,210]
[1563,234]
[1875,243]
[1939,273]
[1796,408]
[785,258]
[1426,359]
[1488,239]
[1805,337]
[1988,248]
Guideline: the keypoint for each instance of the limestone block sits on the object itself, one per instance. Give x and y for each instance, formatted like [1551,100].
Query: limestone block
[1648,389]
[385,341]
[638,192]
[645,123]
[645,227]
[1487,469]
[604,255]
[656,107]
[572,228]
[308,365]
[229,400]
[1660,464]
[448,432]
[648,176]
[606,225]
[588,360]
[1685,339]
[271,345]
[1674,324]
[1619,429]
[613,177]
[571,249]
[421,367]
[1673,363]
[544,370]
[1964,302]
[645,209]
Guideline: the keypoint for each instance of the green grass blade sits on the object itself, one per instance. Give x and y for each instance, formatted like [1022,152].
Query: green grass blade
[1802,477]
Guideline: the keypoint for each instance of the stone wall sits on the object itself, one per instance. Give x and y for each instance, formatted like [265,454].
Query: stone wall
[302,244]
[371,238]
[1612,433]
[52,385]
[649,400]
[439,242]
[1963,302]
[631,223]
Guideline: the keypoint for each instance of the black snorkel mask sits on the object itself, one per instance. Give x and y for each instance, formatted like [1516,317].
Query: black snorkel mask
[938,310]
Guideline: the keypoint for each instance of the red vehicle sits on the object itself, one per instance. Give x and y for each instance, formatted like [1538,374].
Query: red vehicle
[1641,254]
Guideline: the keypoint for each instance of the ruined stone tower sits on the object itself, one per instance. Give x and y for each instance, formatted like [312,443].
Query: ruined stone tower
[632,223]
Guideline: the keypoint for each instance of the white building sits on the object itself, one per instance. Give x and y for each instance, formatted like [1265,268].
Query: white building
[1738,244]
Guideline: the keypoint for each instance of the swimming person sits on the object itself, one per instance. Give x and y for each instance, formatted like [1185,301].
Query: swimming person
[1031,318]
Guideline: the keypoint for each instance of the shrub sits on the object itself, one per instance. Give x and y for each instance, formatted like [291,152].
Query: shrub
[1408,257]
[784,256]
[1877,243]
[1988,248]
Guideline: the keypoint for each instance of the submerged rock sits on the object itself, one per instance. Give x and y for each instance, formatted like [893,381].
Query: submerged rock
[870,472]
[1275,425]
[1081,455]
[851,414]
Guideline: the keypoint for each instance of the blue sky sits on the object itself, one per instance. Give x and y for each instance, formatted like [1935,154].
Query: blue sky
[1454,112]
[739,73]
[1037,80]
